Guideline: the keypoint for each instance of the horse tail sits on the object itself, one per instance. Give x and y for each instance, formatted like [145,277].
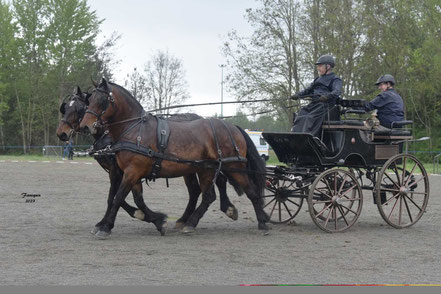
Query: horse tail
[255,164]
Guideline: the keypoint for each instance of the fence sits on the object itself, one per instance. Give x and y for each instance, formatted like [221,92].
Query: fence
[46,150]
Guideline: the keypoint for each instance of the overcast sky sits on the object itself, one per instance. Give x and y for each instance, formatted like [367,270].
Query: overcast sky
[191,30]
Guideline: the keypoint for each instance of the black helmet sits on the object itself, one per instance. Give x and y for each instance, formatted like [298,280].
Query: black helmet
[326,59]
[384,79]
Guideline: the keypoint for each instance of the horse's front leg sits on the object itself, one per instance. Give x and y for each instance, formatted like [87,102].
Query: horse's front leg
[194,190]
[115,176]
[124,188]
[145,214]
[225,205]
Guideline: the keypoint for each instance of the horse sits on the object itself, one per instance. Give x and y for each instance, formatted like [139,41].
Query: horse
[204,146]
[73,109]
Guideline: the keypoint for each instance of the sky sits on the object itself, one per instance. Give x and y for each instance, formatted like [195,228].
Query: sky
[191,30]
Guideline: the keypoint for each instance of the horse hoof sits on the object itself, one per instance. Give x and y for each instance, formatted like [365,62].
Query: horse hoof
[265,233]
[232,213]
[187,230]
[102,235]
[179,225]
[164,227]
[263,227]
[95,230]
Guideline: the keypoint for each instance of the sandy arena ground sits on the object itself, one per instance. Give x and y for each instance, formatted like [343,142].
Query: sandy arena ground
[47,242]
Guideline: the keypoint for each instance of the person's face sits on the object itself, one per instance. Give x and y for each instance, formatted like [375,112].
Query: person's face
[321,69]
[383,87]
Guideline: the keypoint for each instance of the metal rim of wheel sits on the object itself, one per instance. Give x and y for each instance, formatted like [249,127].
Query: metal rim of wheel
[283,199]
[340,201]
[404,182]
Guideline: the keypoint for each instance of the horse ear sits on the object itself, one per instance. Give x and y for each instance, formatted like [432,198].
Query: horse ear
[62,108]
[104,84]
[86,98]
[77,91]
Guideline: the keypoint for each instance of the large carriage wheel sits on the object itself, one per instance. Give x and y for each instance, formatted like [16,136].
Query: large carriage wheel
[402,191]
[283,199]
[335,200]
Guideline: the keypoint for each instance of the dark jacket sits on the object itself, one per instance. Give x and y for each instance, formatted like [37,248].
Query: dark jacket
[389,105]
[329,85]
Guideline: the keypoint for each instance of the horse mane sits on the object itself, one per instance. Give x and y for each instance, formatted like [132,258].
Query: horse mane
[122,89]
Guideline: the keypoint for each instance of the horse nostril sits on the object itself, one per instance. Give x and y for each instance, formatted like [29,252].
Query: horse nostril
[63,137]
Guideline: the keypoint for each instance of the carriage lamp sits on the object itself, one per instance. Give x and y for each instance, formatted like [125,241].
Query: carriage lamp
[353,140]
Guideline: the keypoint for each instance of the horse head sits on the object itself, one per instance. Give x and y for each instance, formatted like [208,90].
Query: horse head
[108,103]
[72,109]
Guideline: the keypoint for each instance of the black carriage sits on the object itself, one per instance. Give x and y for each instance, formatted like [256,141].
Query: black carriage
[332,171]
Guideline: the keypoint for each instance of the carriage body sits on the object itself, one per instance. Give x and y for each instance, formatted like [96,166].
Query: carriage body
[332,172]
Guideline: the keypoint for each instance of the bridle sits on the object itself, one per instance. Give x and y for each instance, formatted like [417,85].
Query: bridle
[79,113]
[109,96]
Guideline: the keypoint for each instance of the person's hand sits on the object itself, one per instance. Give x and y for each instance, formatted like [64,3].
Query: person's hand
[295,96]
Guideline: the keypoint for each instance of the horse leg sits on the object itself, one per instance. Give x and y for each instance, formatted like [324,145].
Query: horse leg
[115,176]
[145,214]
[208,196]
[194,190]
[244,183]
[124,188]
[225,205]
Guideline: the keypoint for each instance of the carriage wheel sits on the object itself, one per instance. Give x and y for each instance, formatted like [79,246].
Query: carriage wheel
[335,200]
[283,199]
[402,191]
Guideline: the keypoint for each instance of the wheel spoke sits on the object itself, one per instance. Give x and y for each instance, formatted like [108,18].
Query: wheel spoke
[349,190]
[280,211]
[404,171]
[393,208]
[293,202]
[390,190]
[408,210]
[350,209]
[342,185]
[393,182]
[350,199]
[323,210]
[335,218]
[316,189]
[327,185]
[419,180]
[328,217]
[287,209]
[343,215]
[411,200]
[394,196]
[274,199]
[272,210]
[410,175]
[400,211]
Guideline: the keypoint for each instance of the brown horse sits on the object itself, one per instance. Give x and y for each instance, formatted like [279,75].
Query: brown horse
[73,109]
[202,146]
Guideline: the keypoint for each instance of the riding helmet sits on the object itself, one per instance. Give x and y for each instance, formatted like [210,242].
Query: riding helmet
[384,79]
[326,59]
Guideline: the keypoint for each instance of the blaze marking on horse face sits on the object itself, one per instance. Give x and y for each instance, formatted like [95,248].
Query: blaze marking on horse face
[139,214]
[71,103]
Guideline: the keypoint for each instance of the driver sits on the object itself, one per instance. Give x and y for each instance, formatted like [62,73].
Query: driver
[389,104]
[325,90]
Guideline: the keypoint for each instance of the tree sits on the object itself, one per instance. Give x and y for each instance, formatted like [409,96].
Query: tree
[266,65]
[7,29]
[165,82]
[136,84]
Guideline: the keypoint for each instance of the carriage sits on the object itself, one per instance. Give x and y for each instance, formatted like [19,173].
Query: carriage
[331,173]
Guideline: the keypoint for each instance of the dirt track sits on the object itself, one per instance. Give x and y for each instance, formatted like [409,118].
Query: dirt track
[47,242]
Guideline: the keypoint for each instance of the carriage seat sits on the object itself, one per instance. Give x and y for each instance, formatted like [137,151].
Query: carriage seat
[395,133]
[346,122]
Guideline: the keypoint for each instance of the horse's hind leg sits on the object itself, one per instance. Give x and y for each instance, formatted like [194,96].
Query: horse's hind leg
[207,198]
[145,214]
[225,205]
[194,190]
[253,193]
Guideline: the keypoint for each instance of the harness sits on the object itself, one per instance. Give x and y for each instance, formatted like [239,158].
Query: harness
[162,134]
